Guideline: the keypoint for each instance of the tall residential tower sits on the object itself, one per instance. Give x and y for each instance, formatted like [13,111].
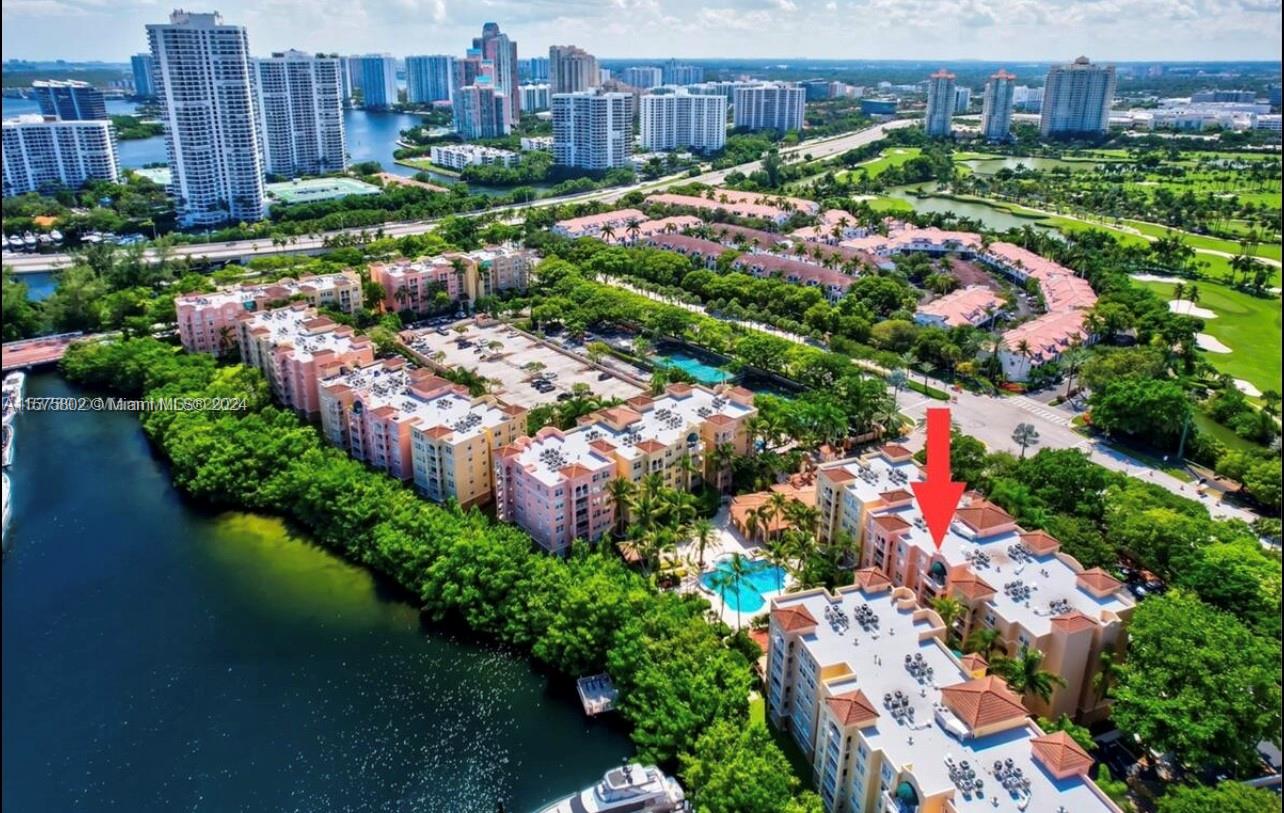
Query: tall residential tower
[996,111]
[571,69]
[300,100]
[203,78]
[1077,98]
[940,104]
[429,78]
[375,75]
[592,130]
[501,52]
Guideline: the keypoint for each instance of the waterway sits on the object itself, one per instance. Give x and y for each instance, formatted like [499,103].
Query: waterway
[159,657]
[990,216]
[990,166]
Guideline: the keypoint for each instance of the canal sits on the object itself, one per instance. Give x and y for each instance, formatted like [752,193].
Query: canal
[160,657]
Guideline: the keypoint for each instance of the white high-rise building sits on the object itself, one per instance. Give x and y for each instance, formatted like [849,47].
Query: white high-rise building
[429,78]
[682,119]
[203,78]
[592,130]
[496,48]
[300,98]
[1077,98]
[996,109]
[940,104]
[571,69]
[770,106]
[675,73]
[481,111]
[642,77]
[375,75]
[535,97]
[962,100]
[42,154]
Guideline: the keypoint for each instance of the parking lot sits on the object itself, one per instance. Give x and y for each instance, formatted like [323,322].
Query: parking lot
[500,353]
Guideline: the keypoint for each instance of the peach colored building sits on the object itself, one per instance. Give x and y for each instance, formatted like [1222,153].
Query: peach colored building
[974,305]
[411,285]
[721,202]
[891,720]
[832,226]
[833,284]
[1011,580]
[901,238]
[592,225]
[415,425]
[554,484]
[296,348]
[207,322]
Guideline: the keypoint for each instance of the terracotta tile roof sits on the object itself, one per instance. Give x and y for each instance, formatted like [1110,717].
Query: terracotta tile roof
[1040,543]
[1099,581]
[1073,621]
[872,580]
[895,451]
[439,432]
[897,495]
[968,583]
[603,445]
[575,470]
[740,392]
[839,475]
[718,419]
[792,618]
[974,664]
[650,446]
[1060,754]
[983,702]
[639,401]
[890,523]
[983,516]
[853,708]
[678,388]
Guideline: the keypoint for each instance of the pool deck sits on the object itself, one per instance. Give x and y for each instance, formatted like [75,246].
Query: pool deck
[726,542]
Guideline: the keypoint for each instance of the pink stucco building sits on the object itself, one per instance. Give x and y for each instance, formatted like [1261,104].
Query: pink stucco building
[412,285]
[296,348]
[207,322]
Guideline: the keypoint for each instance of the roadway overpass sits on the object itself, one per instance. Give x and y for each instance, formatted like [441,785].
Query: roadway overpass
[239,251]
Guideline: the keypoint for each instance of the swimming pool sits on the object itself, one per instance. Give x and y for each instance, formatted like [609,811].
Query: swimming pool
[762,578]
[692,366]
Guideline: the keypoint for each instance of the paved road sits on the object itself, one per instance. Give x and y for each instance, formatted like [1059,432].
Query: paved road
[236,250]
[992,419]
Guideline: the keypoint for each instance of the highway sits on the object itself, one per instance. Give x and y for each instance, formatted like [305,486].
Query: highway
[238,250]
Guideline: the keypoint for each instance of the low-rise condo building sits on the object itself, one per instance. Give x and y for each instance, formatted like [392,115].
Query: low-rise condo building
[461,156]
[554,484]
[833,225]
[833,284]
[891,720]
[592,225]
[413,285]
[415,425]
[207,322]
[296,348]
[974,305]
[901,239]
[1011,580]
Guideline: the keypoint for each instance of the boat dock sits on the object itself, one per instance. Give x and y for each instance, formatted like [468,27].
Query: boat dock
[597,694]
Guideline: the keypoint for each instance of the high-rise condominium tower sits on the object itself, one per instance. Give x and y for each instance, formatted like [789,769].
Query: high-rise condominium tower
[481,111]
[375,75]
[429,78]
[592,130]
[996,110]
[940,104]
[142,68]
[571,69]
[496,47]
[682,119]
[42,155]
[203,81]
[300,99]
[69,100]
[770,106]
[1077,98]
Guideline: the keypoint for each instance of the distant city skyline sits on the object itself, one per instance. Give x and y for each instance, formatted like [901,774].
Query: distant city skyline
[944,30]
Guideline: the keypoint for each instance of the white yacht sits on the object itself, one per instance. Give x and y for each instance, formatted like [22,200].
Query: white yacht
[631,787]
[6,456]
[12,392]
[4,531]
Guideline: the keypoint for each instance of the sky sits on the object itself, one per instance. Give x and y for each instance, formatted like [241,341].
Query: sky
[1043,30]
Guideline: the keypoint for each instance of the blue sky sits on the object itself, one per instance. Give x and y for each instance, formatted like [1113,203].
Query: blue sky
[853,29]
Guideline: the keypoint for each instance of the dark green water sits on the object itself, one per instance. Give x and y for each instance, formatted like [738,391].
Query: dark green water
[159,658]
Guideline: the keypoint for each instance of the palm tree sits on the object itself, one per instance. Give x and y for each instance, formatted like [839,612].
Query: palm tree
[779,505]
[950,610]
[1071,361]
[738,572]
[1107,673]
[621,492]
[1025,435]
[720,580]
[723,456]
[1024,675]
[703,531]
[779,553]
[608,232]
[985,640]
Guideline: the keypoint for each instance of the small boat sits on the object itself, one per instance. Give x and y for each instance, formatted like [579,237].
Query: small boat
[14,242]
[4,531]
[14,384]
[56,236]
[43,239]
[6,436]
[631,787]
[29,240]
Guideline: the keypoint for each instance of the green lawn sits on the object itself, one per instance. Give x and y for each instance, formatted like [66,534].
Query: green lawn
[1249,326]
[1271,250]
[893,157]
[886,204]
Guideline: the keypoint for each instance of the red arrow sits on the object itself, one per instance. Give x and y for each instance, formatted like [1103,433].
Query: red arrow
[938,495]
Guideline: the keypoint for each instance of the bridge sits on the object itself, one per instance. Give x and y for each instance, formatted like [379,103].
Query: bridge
[38,352]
